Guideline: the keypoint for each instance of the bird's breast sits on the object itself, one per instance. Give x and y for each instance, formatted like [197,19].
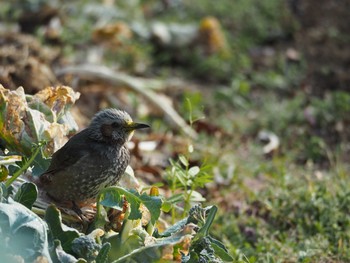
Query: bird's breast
[93,172]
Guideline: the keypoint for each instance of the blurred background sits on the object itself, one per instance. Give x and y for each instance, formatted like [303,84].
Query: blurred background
[256,93]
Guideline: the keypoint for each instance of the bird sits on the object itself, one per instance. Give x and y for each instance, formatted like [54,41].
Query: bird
[92,159]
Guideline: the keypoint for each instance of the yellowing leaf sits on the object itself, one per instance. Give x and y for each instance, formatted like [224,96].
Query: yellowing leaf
[25,120]
[58,99]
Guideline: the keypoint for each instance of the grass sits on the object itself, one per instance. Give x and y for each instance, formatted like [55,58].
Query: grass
[291,206]
[296,217]
[276,211]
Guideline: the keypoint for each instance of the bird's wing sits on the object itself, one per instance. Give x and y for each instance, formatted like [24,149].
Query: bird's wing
[75,149]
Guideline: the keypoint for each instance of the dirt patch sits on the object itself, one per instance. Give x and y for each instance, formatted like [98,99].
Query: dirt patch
[25,62]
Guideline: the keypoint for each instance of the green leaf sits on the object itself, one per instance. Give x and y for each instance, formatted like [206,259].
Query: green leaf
[183,160]
[174,199]
[166,206]
[59,231]
[36,123]
[102,256]
[40,164]
[193,171]
[204,231]
[174,228]
[153,252]
[143,254]
[181,176]
[23,233]
[196,197]
[203,246]
[5,192]
[27,194]
[125,242]
[220,250]
[59,255]
[113,197]
[153,204]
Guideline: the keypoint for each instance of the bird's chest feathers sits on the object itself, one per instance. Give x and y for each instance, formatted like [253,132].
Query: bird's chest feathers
[110,157]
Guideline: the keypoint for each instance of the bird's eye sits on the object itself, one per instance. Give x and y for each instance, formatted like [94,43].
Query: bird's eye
[115,124]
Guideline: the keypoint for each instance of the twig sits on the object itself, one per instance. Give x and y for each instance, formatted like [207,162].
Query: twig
[140,86]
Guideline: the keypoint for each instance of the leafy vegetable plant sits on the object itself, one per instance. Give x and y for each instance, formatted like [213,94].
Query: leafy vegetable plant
[124,228]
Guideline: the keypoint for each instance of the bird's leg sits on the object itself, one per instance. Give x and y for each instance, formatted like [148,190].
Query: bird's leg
[77,210]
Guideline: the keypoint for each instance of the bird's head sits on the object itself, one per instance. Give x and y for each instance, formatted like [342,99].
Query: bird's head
[113,126]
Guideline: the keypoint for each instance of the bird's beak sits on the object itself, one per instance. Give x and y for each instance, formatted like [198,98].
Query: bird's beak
[136,126]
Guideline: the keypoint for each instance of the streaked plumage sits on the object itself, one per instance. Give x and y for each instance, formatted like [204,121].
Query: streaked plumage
[92,159]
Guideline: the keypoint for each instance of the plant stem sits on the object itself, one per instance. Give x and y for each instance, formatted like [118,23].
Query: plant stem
[189,104]
[98,206]
[65,217]
[23,168]
[187,196]
[173,187]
